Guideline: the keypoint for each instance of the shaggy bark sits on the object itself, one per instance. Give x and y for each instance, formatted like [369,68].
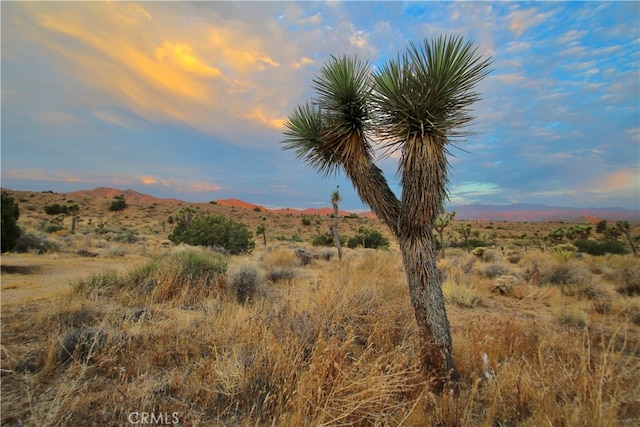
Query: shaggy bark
[424,280]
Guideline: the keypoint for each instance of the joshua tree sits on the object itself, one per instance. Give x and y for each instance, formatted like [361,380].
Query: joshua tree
[262,229]
[442,222]
[416,104]
[74,211]
[335,199]
[465,233]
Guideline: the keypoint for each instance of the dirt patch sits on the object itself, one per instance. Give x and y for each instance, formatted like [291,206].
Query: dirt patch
[30,277]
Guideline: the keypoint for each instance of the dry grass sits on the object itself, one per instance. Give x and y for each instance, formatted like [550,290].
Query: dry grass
[538,339]
[334,345]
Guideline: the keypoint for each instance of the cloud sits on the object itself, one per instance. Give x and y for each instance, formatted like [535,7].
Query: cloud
[30,174]
[471,192]
[623,180]
[521,21]
[164,70]
[181,55]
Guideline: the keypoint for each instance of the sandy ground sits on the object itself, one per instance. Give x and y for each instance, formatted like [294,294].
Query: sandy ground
[27,277]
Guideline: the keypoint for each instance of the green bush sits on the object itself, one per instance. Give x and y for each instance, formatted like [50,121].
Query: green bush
[368,238]
[56,209]
[51,227]
[118,203]
[475,243]
[592,247]
[214,230]
[10,230]
[325,239]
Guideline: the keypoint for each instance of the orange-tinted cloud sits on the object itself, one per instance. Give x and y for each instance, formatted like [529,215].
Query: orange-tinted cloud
[31,174]
[622,180]
[160,68]
[182,56]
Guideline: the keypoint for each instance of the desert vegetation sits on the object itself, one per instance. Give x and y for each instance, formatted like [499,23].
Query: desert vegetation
[274,337]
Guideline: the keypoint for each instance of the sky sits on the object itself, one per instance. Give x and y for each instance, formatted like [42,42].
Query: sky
[188,100]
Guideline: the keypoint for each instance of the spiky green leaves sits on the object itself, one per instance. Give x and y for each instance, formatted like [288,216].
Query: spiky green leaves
[415,104]
[331,129]
[427,91]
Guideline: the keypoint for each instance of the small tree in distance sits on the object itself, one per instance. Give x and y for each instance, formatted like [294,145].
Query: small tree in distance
[335,199]
[465,233]
[262,229]
[442,222]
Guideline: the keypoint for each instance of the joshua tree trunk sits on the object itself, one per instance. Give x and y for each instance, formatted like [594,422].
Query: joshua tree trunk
[425,290]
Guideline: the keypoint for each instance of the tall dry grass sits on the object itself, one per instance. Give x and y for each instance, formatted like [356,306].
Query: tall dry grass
[335,344]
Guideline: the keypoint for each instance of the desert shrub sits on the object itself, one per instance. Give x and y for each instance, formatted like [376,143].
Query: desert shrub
[56,209]
[81,344]
[306,221]
[629,283]
[491,256]
[474,243]
[622,271]
[244,282]
[602,306]
[459,295]
[368,238]
[123,236]
[505,284]
[51,226]
[192,263]
[564,274]
[103,281]
[303,256]
[214,230]
[325,255]
[325,239]
[546,270]
[186,274]
[115,251]
[479,251]
[34,243]
[279,265]
[564,251]
[570,316]
[492,271]
[514,257]
[593,247]
[118,204]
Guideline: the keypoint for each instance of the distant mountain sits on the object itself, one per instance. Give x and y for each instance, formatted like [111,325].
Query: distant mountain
[512,213]
[109,192]
[237,203]
[535,213]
